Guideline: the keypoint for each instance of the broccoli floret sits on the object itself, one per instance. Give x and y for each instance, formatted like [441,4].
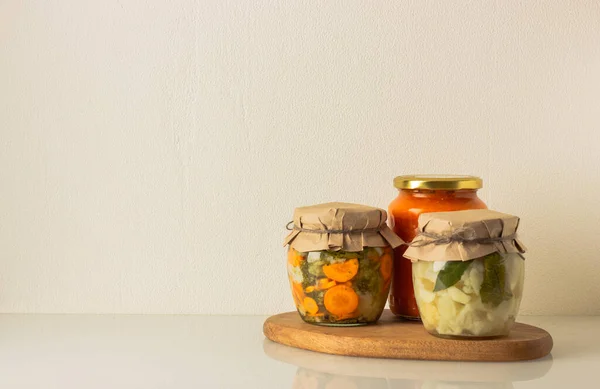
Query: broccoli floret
[339,256]
[319,296]
[316,269]
[369,279]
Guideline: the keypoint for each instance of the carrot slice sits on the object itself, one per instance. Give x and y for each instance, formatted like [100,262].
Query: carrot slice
[386,266]
[325,283]
[351,315]
[291,257]
[310,305]
[309,289]
[299,257]
[343,271]
[341,300]
[295,257]
[297,292]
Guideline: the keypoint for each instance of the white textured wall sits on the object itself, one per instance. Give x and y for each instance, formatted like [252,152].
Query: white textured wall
[151,152]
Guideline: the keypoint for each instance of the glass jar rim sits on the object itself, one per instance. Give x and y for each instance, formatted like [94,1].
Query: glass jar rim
[439,182]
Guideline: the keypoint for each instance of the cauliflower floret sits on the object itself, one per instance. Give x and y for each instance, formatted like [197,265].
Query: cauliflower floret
[501,312]
[466,282]
[481,327]
[313,256]
[430,315]
[466,317]
[447,307]
[431,275]
[476,276]
[420,268]
[295,273]
[427,284]
[366,307]
[458,295]
[422,291]
[448,327]
[514,274]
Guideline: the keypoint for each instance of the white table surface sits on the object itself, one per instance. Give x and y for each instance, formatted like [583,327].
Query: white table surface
[87,351]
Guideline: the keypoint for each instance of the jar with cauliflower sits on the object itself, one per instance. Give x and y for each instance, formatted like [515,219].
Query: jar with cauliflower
[340,259]
[468,273]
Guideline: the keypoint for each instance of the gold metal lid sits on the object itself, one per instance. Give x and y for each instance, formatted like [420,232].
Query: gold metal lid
[440,182]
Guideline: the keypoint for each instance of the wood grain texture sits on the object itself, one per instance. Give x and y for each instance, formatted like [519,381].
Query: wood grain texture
[393,338]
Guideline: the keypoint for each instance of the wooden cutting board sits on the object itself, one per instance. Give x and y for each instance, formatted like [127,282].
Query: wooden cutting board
[394,338]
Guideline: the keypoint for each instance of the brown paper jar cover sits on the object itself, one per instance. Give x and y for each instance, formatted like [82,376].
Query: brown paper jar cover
[340,226]
[478,223]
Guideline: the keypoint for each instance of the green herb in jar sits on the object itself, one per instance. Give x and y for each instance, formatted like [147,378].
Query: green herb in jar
[450,274]
[493,288]
[369,280]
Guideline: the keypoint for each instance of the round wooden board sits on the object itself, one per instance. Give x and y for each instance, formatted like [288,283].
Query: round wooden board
[394,338]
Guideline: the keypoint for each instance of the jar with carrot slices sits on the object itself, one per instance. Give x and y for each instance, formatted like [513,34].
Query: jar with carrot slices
[339,264]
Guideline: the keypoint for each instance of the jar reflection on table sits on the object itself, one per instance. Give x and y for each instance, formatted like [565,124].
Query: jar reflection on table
[410,384]
[317,371]
[420,194]
[311,379]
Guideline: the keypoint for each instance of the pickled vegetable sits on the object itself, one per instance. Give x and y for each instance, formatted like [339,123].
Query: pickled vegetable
[340,288]
[342,271]
[341,301]
[476,298]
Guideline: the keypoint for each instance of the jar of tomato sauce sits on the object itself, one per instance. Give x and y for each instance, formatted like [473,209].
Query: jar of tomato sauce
[420,194]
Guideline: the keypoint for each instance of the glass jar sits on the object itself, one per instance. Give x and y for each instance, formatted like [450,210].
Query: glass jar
[340,288]
[339,263]
[479,298]
[421,194]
